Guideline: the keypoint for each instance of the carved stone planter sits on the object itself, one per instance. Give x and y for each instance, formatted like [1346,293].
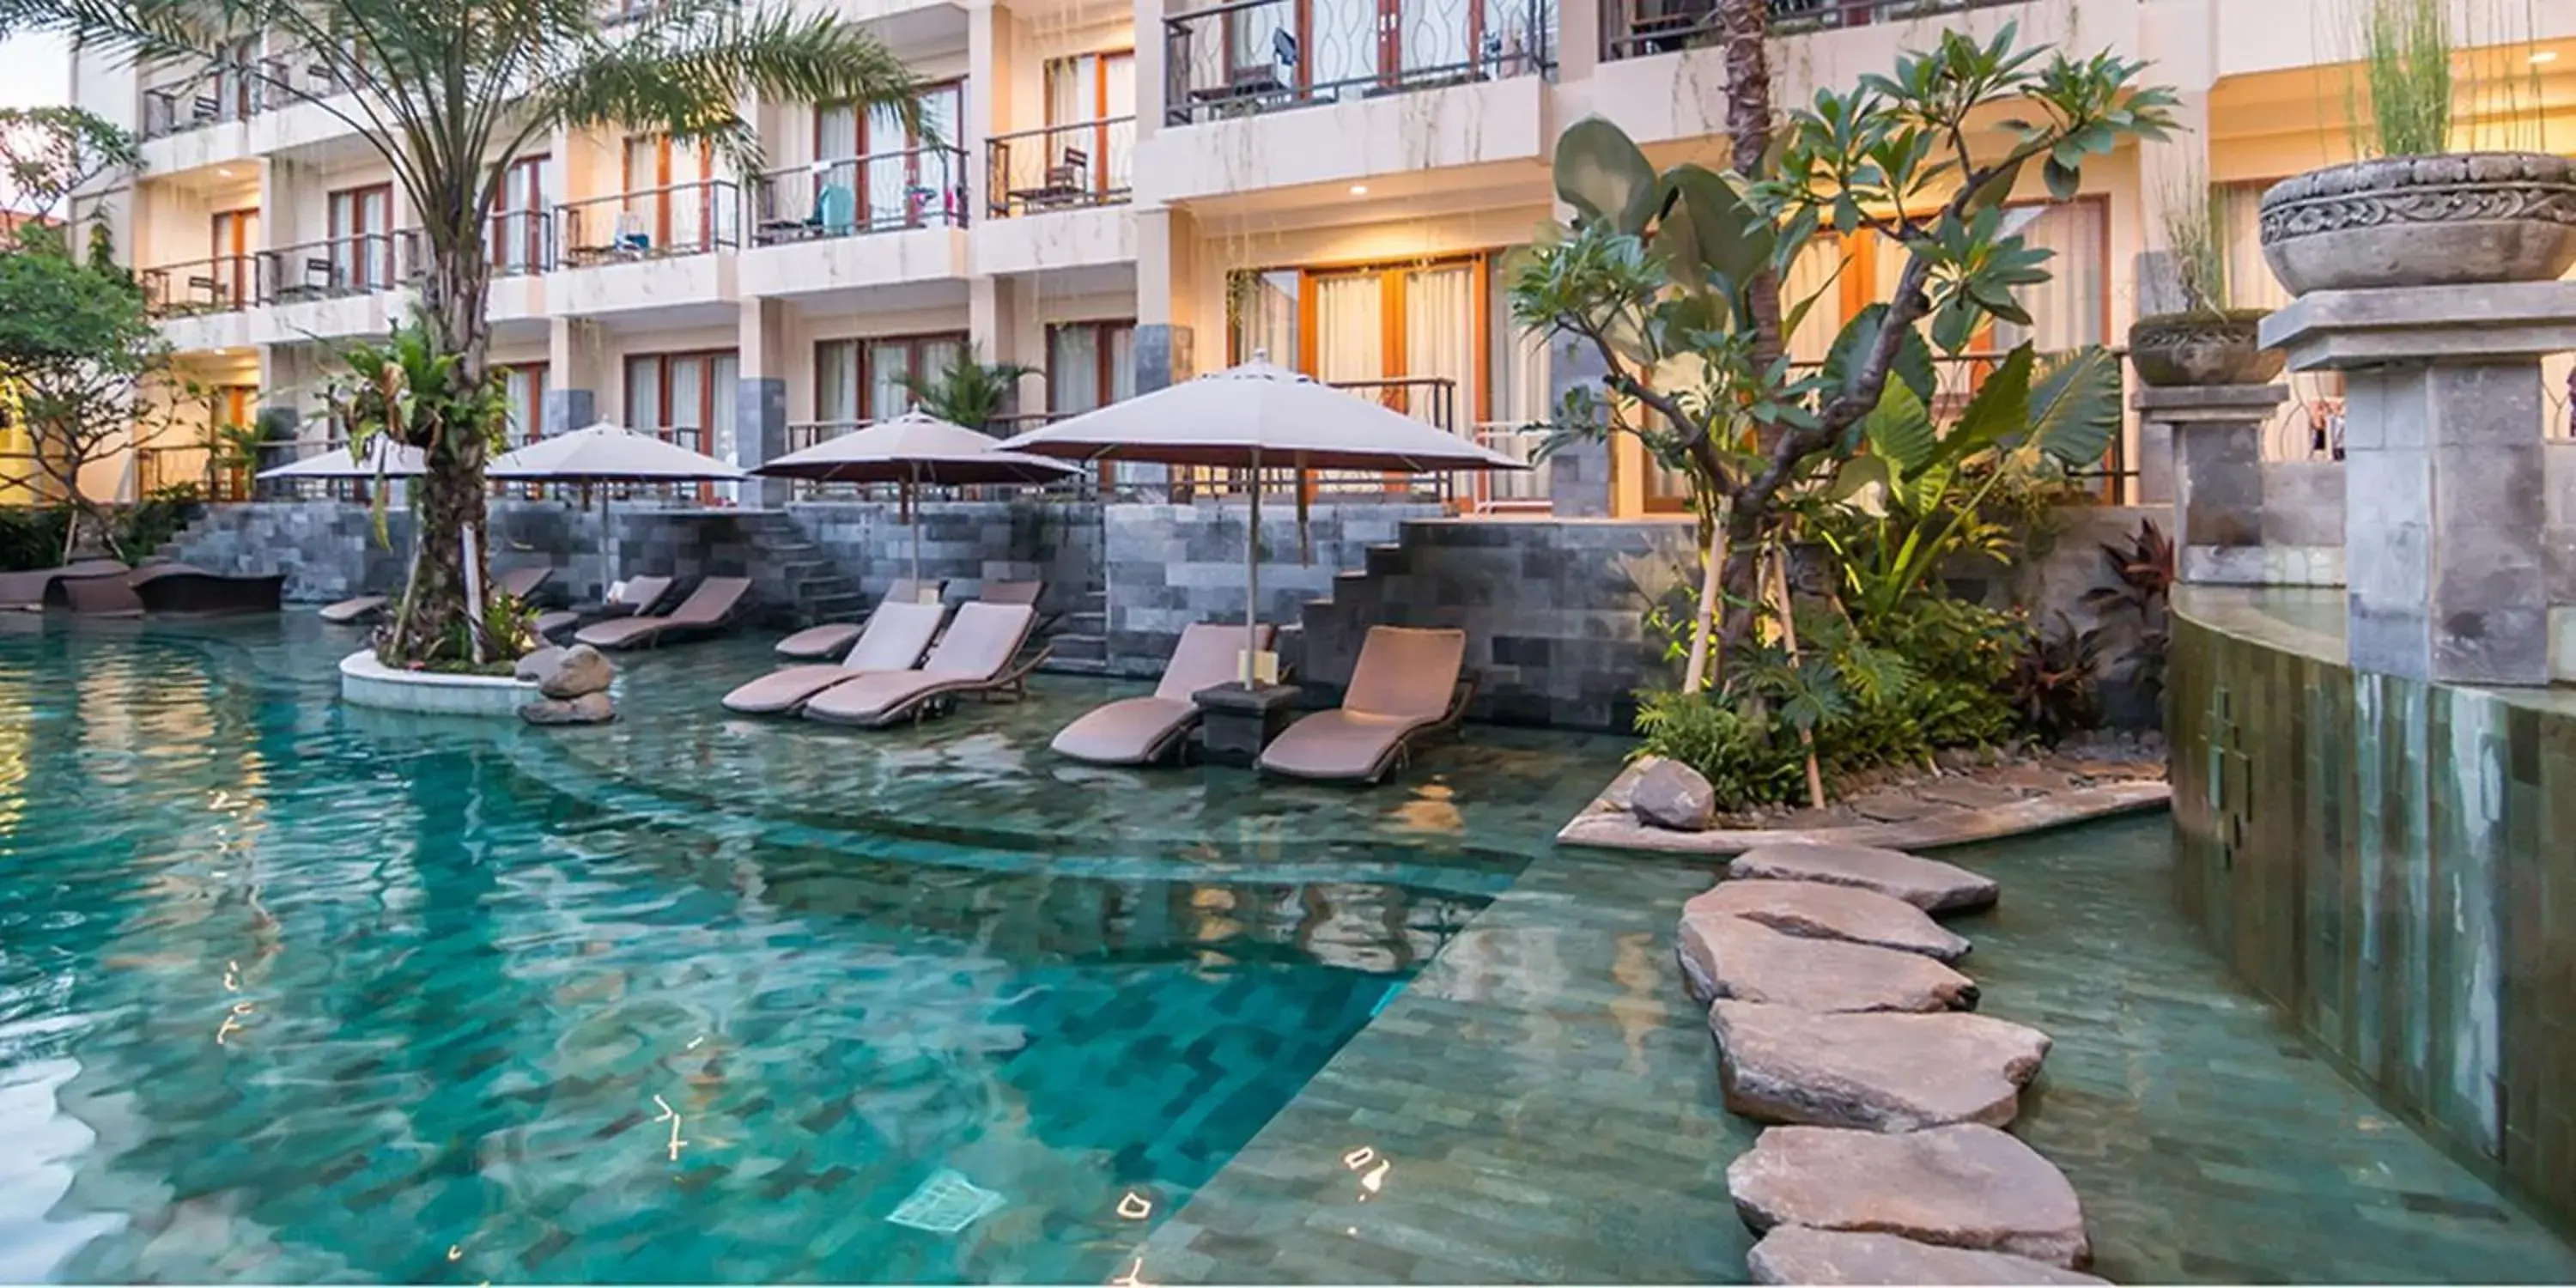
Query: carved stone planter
[2457,219]
[2173,350]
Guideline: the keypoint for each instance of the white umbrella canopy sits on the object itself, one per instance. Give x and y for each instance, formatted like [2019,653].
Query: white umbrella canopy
[1254,416]
[912,449]
[383,458]
[1258,416]
[606,453]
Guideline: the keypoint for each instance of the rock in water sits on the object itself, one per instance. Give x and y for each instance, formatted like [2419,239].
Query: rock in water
[1794,1254]
[1671,794]
[579,670]
[1734,958]
[1874,1072]
[589,708]
[538,663]
[1967,1186]
[1819,911]
[1928,884]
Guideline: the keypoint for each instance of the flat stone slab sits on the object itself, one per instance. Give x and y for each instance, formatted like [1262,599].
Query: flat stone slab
[1730,957]
[1967,1187]
[1928,884]
[1880,1071]
[1819,911]
[1795,1254]
[1606,823]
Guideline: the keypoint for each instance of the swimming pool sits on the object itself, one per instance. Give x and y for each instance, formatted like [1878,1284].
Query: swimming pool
[291,992]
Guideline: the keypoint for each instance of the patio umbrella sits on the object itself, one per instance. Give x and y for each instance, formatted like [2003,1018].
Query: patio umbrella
[1252,417]
[383,458]
[606,453]
[910,450]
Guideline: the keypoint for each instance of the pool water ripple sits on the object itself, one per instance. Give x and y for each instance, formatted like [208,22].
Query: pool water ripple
[290,993]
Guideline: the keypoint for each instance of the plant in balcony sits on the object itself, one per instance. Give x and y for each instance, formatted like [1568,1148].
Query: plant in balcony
[2205,342]
[967,392]
[450,96]
[2412,212]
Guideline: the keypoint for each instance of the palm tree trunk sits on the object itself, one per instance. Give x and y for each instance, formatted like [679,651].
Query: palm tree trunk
[452,495]
[1744,28]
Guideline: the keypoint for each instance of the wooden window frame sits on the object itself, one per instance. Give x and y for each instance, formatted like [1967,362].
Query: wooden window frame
[532,218]
[362,251]
[1099,105]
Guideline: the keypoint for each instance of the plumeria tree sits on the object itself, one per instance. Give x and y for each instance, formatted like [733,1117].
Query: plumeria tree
[449,93]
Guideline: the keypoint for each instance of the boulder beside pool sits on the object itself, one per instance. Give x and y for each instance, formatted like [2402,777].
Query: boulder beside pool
[577,671]
[574,682]
[588,709]
[1673,796]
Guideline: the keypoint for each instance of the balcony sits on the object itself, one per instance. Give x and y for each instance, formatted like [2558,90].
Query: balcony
[650,248]
[1060,167]
[1250,57]
[200,287]
[856,222]
[227,92]
[1664,26]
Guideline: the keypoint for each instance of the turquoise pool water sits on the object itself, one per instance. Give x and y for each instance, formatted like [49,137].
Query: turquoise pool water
[290,992]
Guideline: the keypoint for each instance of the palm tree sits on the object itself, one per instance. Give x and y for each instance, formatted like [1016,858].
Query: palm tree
[449,93]
[967,392]
[1744,33]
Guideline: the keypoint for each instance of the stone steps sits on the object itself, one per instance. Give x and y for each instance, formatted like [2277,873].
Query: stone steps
[1836,1014]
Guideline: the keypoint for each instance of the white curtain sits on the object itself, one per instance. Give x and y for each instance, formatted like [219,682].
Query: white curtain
[644,394]
[2066,310]
[1519,362]
[686,417]
[886,168]
[942,118]
[1433,34]
[836,381]
[524,388]
[836,147]
[1265,318]
[1349,345]
[1345,39]
[1073,368]
[1113,151]
[722,408]
[1122,361]
[889,361]
[2250,283]
[1815,270]
[1440,342]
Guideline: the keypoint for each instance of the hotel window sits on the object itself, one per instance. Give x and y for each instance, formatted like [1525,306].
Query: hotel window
[362,249]
[902,185]
[862,380]
[234,235]
[1093,88]
[671,199]
[523,386]
[519,217]
[686,398]
[1419,327]
[1090,365]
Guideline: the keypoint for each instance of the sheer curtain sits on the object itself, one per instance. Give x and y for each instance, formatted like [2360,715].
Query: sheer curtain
[885,167]
[1440,343]
[685,420]
[1265,318]
[1816,269]
[836,381]
[2066,310]
[1350,344]
[889,361]
[644,394]
[836,148]
[525,390]
[1122,361]
[1073,368]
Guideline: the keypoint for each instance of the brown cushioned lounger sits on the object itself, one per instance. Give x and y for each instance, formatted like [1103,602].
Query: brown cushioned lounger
[815,643]
[1140,731]
[975,656]
[639,594]
[185,588]
[1011,592]
[99,596]
[519,583]
[897,635]
[42,587]
[350,610]
[706,608]
[1405,685]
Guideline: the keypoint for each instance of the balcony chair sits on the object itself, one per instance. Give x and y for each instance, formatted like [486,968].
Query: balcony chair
[836,210]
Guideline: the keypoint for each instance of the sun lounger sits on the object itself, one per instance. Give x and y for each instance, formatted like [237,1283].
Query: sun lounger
[1140,731]
[1405,686]
[183,588]
[1011,592]
[815,643]
[636,596]
[98,596]
[518,583]
[975,656]
[42,587]
[898,633]
[707,608]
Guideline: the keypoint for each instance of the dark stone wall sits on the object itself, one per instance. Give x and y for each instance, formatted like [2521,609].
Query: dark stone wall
[2394,864]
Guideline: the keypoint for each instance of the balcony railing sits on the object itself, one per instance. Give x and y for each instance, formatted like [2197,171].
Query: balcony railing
[519,241]
[361,264]
[881,192]
[220,284]
[1247,57]
[225,92]
[1638,27]
[650,223]
[1061,167]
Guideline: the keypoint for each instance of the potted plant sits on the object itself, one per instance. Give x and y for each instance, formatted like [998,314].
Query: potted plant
[2205,342]
[2411,212]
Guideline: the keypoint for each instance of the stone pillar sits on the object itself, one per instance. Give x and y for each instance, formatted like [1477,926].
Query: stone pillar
[2445,508]
[1578,475]
[2213,475]
[760,401]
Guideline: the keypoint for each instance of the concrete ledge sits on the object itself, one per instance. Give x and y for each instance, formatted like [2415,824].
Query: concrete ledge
[1607,824]
[366,682]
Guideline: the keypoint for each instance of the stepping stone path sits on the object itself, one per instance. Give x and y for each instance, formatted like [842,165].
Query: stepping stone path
[1730,957]
[1873,1072]
[1817,911]
[1835,1010]
[1928,884]
[1959,1187]
[1794,1254]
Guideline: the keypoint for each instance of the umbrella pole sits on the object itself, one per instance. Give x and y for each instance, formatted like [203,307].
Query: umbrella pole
[912,519]
[607,544]
[1252,578]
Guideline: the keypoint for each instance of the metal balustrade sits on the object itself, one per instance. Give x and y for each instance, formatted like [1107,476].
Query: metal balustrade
[921,187]
[1637,27]
[216,284]
[1248,57]
[1060,167]
[650,223]
[337,267]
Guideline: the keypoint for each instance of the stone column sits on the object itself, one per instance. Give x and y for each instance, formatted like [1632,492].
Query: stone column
[1578,475]
[2213,475]
[760,400]
[2445,509]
